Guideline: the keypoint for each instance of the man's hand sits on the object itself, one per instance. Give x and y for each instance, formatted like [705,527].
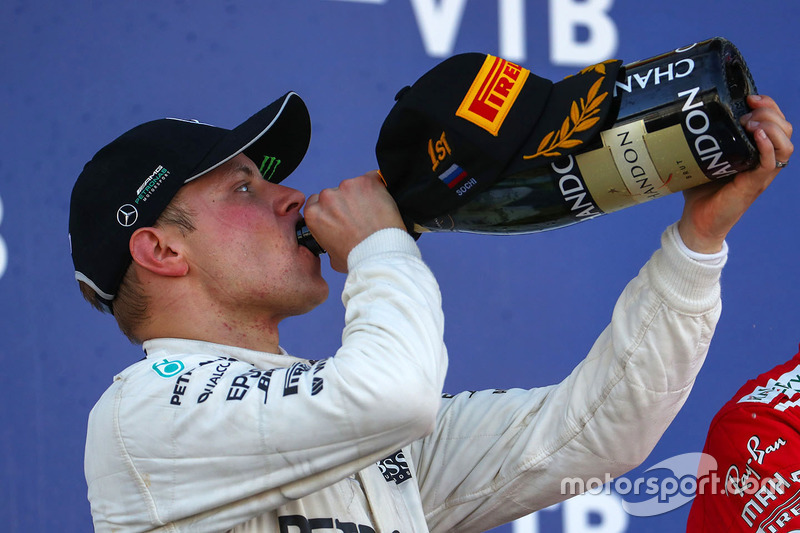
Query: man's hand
[711,210]
[341,217]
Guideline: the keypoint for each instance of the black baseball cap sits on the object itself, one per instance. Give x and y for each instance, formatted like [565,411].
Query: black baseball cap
[475,118]
[130,181]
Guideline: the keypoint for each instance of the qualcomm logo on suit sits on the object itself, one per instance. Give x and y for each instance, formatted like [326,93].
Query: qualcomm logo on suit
[3,249]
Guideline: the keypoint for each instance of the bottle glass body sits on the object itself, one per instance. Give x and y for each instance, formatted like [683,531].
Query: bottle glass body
[675,126]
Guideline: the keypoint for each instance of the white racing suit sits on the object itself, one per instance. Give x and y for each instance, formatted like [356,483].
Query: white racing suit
[205,437]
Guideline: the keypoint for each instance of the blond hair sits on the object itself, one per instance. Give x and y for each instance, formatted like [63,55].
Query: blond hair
[131,305]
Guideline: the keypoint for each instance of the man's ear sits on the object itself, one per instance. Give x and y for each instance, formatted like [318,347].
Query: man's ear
[158,251]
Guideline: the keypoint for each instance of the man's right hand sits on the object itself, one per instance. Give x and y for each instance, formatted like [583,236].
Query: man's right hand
[341,217]
[711,210]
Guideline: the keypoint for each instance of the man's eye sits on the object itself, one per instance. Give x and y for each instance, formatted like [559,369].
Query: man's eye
[244,187]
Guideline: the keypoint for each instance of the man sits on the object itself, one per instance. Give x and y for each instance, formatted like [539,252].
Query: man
[174,230]
[750,483]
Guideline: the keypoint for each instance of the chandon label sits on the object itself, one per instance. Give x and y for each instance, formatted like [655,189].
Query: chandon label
[656,75]
[707,147]
[573,190]
[633,161]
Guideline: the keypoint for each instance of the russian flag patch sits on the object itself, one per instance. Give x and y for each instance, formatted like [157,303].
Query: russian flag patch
[453,176]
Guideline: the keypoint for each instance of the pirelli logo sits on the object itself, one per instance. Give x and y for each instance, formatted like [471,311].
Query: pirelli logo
[493,93]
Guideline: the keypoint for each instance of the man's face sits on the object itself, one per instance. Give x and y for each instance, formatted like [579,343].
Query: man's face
[244,250]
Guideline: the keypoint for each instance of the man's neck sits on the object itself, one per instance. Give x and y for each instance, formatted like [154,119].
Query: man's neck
[210,324]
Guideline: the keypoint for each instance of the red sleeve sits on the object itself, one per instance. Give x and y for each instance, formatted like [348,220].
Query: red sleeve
[753,484]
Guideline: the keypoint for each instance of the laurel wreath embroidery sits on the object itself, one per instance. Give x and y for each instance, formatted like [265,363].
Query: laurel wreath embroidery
[581,118]
[600,68]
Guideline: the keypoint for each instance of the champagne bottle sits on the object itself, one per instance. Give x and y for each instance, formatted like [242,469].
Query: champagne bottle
[673,124]
[677,126]
[304,238]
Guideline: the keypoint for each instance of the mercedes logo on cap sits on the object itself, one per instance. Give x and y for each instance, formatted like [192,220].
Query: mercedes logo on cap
[127,215]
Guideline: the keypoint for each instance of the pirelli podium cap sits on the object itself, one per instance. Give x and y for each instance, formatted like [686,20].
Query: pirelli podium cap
[469,120]
[130,181]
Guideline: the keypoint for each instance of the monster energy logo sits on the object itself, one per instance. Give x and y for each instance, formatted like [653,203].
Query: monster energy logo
[268,167]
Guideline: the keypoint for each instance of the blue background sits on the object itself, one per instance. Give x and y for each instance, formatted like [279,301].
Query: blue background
[521,310]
